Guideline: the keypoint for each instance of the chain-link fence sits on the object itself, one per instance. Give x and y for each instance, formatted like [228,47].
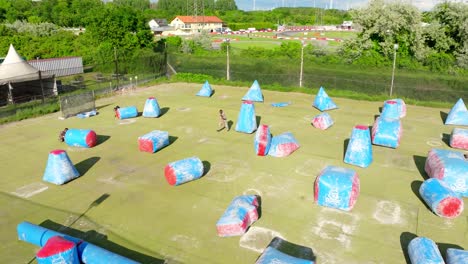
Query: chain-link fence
[424,86]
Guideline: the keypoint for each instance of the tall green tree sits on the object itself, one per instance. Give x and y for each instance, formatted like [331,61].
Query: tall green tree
[225,5]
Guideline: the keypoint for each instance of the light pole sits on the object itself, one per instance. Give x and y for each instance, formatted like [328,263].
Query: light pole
[395,48]
[227,59]
[136,81]
[302,63]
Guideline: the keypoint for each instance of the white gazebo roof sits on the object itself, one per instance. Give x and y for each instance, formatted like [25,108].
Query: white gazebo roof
[16,69]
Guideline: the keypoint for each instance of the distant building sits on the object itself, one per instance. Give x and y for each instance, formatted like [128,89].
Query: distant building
[195,24]
[59,66]
[159,25]
[347,25]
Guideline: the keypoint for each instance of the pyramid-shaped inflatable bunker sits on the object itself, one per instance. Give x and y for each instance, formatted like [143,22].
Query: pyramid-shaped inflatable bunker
[206,90]
[323,102]
[458,115]
[151,108]
[254,93]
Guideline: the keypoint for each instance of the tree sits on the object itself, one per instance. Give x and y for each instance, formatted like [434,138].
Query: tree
[225,5]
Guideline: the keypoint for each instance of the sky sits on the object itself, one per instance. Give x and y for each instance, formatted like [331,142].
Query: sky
[248,5]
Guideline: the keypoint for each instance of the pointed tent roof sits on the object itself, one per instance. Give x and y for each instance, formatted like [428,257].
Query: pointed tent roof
[16,69]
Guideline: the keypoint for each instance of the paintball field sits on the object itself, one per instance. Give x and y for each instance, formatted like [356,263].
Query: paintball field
[123,203]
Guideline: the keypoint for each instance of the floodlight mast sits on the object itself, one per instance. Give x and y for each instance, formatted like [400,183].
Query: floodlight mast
[395,48]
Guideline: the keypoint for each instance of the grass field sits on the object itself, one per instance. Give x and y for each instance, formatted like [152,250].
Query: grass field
[123,203]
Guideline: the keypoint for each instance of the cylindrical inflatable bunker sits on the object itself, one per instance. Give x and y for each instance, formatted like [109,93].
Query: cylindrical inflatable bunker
[246,121]
[153,141]
[459,138]
[87,252]
[457,256]
[422,250]
[59,169]
[238,216]
[440,198]
[337,187]
[322,121]
[151,108]
[262,140]
[390,110]
[127,112]
[58,247]
[183,171]
[85,138]
[359,150]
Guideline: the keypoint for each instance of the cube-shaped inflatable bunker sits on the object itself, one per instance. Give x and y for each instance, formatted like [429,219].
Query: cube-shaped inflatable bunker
[58,248]
[240,214]
[126,112]
[449,166]
[441,199]
[359,150]
[153,141]
[459,138]
[401,106]
[422,250]
[283,145]
[337,187]
[151,108]
[59,169]
[387,132]
[322,121]
[183,171]
[85,138]
[262,140]
[457,256]
[246,121]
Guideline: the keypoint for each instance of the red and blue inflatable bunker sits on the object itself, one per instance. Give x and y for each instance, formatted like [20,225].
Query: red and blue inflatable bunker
[359,150]
[387,132]
[182,171]
[459,138]
[441,199]
[337,188]
[151,108]
[322,121]
[422,250]
[85,138]
[457,256]
[262,140]
[283,145]
[58,248]
[59,169]
[246,121]
[153,141]
[240,214]
[126,112]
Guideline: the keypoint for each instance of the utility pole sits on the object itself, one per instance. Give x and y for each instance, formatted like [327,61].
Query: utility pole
[228,77]
[116,66]
[395,48]
[302,63]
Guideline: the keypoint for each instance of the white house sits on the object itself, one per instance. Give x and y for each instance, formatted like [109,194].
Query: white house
[195,24]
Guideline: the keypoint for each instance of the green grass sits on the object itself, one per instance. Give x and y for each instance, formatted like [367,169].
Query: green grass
[146,219]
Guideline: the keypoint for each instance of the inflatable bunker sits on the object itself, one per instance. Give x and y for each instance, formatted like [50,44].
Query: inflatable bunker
[387,132]
[206,90]
[127,112]
[390,110]
[58,247]
[457,256]
[151,108]
[441,199]
[422,250]
[59,169]
[282,251]
[246,121]
[153,141]
[240,214]
[337,188]
[449,166]
[359,150]
[283,145]
[254,93]
[85,138]
[401,106]
[183,171]
[87,252]
[459,138]
[458,115]
[262,140]
[322,121]
[323,102]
